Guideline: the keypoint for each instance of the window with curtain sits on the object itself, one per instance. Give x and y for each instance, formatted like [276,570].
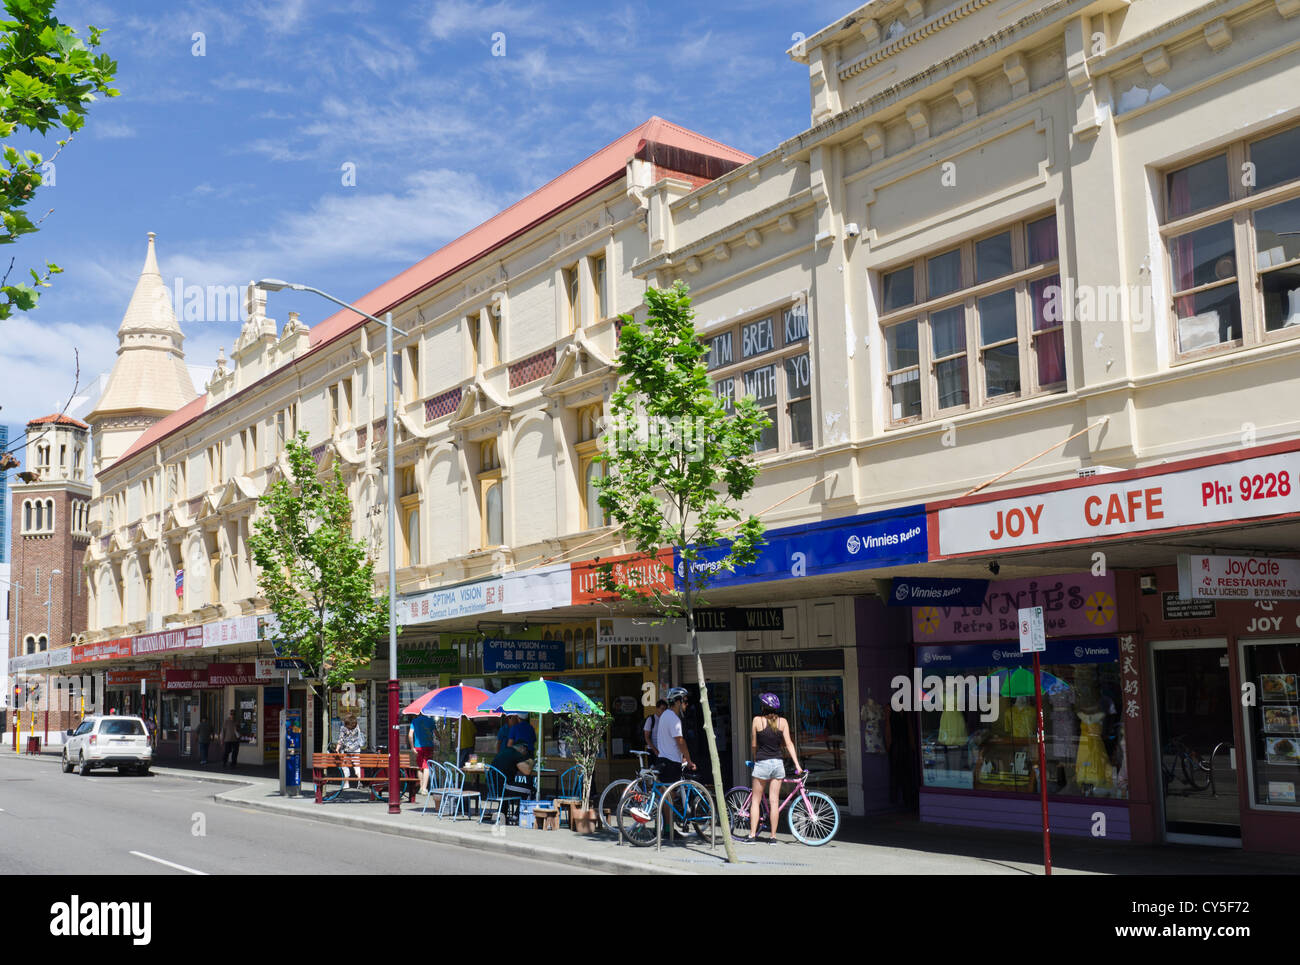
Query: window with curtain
[975,324]
[1234,247]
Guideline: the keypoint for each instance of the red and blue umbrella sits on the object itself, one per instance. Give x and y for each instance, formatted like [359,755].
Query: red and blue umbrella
[451,702]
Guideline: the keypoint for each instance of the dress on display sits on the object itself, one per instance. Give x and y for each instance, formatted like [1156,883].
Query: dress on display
[1022,719]
[1091,766]
[952,725]
[1063,723]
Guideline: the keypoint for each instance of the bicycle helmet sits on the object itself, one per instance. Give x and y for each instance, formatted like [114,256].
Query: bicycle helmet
[675,694]
[770,701]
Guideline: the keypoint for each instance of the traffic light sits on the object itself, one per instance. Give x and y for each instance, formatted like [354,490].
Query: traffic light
[34,692]
[18,695]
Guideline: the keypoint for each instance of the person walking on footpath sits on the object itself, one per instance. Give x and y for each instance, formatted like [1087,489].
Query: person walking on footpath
[205,739]
[423,740]
[230,741]
[651,722]
[768,735]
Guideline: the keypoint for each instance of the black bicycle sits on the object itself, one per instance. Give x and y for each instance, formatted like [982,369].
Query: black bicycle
[1177,758]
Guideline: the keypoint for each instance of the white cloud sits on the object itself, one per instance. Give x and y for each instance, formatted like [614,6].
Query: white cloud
[111,129]
[39,363]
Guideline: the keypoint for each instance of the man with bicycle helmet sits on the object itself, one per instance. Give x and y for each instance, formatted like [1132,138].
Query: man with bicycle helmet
[674,755]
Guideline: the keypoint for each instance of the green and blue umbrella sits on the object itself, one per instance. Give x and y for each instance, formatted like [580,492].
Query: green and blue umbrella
[540,697]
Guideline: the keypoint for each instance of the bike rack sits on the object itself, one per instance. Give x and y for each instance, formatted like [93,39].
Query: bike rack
[1214,792]
[713,817]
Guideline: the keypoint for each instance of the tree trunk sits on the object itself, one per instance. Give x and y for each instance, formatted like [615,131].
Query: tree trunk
[719,796]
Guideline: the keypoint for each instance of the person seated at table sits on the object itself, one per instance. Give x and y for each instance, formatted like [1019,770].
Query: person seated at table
[468,732]
[521,740]
[350,743]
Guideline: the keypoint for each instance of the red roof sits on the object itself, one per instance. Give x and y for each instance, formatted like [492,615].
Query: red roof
[58,419]
[586,177]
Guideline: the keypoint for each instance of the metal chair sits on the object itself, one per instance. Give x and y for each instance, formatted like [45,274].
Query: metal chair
[570,790]
[499,792]
[454,793]
[437,780]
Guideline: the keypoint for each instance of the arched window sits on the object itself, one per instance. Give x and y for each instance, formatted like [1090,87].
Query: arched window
[42,643]
[49,515]
[492,509]
[27,515]
[40,516]
[490,494]
[596,517]
[30,643]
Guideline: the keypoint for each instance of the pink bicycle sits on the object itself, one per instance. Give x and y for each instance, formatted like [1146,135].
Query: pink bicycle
[814,818]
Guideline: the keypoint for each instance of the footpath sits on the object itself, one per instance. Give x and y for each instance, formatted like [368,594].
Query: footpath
[884,845]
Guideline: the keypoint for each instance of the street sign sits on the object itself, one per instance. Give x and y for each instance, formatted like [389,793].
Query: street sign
[1033,633]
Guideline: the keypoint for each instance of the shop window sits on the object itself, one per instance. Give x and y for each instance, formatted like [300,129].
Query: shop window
[767,359]
[1234,247]
[814,708]
[1273,722]
[1082,721]
[936,308]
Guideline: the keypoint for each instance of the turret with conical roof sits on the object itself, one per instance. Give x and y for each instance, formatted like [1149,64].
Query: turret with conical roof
[149,379]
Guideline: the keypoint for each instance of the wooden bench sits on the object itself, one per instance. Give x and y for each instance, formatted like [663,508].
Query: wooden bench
[326,770]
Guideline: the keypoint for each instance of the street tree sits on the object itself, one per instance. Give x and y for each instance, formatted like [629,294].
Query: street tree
[48,78]
[678,466]
[317,579]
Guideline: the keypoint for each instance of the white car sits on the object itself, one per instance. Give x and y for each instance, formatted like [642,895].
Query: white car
[121,742]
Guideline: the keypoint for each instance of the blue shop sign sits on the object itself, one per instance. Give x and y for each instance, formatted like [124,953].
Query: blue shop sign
[939,659]
[523,656]
[895,537]
[922,591]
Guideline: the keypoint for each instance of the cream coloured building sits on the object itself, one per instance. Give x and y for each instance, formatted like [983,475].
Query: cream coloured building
[1039,239]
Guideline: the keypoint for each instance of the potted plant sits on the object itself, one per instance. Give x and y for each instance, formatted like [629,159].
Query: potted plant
[585,734]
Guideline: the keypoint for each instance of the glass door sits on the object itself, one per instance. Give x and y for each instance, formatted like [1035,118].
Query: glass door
[1197,761]
[814,708]
[189,725]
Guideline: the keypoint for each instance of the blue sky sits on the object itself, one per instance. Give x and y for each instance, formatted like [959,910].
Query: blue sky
[235,157]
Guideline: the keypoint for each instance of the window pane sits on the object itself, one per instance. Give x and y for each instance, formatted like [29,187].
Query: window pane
[494,515]
[796,324]
[1204,256]
[1002,370]
[720,352]
[905,390]
[997,317]
[768,440]
[725,389]
[757,337]
[798,377]
[800,422]
[901,346]
[1042,240]
[948,329]
[1209,318]
[761,384]
[900,289]
[993,257]
[1281,298]
[1276,158]
[1198,186]
[952,379]
[1046,298]
[595,515]
[413,536]
[944,273]
[1277,233]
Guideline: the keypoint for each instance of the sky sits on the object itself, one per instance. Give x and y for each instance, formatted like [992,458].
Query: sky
[240,124]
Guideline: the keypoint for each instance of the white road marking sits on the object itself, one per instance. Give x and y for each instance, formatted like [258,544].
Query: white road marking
[170,864]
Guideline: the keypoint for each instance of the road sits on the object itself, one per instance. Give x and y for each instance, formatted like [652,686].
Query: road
[56,823]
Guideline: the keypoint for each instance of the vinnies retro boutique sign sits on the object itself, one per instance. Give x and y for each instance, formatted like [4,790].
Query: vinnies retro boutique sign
[1077,604]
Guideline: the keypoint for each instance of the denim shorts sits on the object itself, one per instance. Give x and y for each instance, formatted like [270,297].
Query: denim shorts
[772,769]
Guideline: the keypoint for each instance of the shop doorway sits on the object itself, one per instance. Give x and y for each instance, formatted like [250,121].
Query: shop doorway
[1195,754]
[189,725]
[814,707]
[693,731]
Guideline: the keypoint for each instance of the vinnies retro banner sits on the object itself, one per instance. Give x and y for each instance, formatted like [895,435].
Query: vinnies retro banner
[1075,604]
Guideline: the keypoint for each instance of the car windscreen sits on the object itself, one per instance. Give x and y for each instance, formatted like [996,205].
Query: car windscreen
[122,727]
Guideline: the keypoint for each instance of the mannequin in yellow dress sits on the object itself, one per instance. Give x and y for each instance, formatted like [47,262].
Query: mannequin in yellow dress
[952,724]
[1091,765]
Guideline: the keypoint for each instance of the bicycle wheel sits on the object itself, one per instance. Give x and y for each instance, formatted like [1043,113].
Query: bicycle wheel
[608,806]
[815,822]
[635,831]
[1195,771]
[737,802]
[692,809]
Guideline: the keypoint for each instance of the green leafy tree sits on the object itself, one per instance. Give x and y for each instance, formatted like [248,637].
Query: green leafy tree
[317,579]
[48,78]
[678,467]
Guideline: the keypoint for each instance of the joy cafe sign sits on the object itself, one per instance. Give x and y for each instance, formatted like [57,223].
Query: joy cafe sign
[1238,578]
[641,573]
[1225,491]
[1077,604]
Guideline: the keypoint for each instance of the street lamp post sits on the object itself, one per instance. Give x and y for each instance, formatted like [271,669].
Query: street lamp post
[394,758]
[49,610]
